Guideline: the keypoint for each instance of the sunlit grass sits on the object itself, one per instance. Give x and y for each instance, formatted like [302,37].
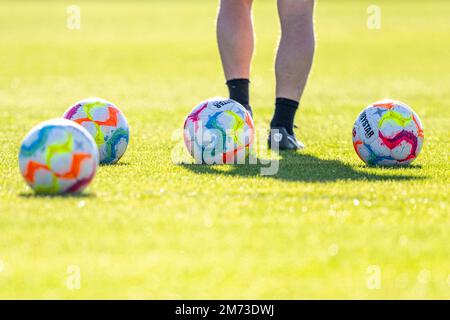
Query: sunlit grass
[148,228]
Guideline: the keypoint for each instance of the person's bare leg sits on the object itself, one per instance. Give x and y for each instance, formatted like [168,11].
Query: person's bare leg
[296,48]
[235,37]
[236,44]
[293,61]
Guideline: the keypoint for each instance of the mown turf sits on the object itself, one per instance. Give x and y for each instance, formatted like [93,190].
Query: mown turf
[147,228]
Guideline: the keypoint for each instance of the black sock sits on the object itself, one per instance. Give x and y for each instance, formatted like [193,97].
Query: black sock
[239,92]
[284,114]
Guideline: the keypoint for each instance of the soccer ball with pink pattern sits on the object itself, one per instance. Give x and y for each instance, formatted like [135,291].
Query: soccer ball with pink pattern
[388,133]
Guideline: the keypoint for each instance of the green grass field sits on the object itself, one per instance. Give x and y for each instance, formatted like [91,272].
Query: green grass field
[325,226]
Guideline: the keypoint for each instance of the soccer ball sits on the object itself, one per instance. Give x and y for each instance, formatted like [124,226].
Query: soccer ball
[219,131]
[58,156]
[388,133]
[107,125]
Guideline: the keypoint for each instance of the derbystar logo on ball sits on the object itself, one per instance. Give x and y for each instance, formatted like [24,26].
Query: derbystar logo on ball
[388,133]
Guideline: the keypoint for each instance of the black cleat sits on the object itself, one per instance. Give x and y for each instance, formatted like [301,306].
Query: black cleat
[279,137]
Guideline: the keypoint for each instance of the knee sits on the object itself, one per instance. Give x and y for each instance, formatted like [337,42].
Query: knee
[296,15]
[236,5]
[296,8]
[302,5]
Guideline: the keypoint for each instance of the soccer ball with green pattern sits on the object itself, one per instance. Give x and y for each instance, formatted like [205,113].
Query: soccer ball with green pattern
[58,156]
[107,125]
[219,131]
[388,133]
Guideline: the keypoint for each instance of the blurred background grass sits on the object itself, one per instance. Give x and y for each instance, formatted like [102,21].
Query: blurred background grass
[147,228]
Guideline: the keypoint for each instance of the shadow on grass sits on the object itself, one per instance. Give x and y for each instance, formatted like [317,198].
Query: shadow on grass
[118,164]
[294,166]
[82,195]
[399,167]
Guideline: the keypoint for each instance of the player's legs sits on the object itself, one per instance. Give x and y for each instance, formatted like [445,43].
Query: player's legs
[236,43]
[294,59]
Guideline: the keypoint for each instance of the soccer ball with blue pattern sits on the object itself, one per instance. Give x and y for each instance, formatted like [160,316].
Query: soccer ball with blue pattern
[107,125]
[219,131]
[58,156]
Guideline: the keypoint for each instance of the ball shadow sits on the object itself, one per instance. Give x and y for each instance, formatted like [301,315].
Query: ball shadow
[301,167]
[83,195]
[398,167]
[118,164]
